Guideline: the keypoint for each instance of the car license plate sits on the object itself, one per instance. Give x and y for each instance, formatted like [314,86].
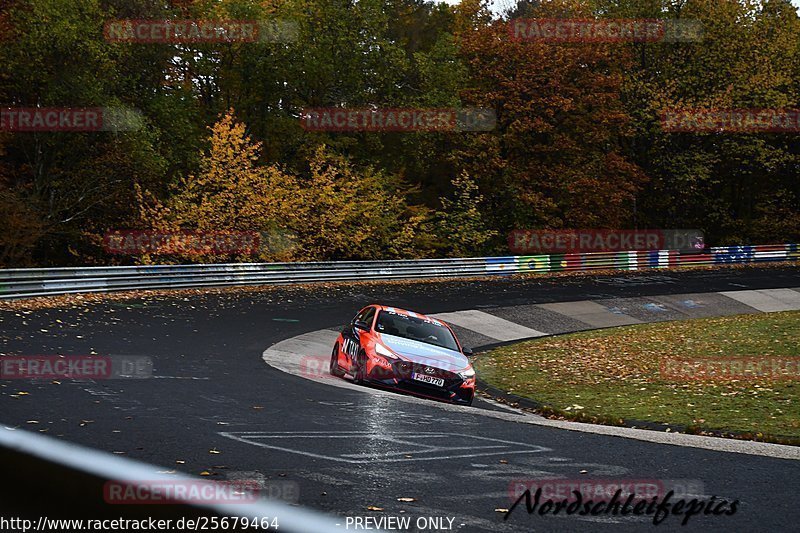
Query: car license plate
[439,382]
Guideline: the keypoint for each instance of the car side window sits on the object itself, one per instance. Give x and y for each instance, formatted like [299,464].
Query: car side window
[362,315]
[369,315]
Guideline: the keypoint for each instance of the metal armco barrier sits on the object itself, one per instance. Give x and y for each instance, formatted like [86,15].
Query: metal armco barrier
[24,283]
[46,477]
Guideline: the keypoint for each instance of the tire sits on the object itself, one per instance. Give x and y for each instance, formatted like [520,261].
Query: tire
[361,368]
[335,369]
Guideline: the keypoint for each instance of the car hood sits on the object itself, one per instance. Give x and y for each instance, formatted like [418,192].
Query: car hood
[424,353]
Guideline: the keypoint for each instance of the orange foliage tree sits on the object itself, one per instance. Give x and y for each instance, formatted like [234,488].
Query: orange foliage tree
[556,157]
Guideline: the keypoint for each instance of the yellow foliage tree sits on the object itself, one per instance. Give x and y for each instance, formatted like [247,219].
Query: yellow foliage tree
[342,212]
[231,192]
[334,211]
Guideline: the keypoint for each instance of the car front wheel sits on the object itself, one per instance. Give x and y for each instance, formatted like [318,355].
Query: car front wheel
[336,370]
[361,368]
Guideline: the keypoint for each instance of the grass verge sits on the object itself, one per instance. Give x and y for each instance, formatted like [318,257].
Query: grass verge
[618,376]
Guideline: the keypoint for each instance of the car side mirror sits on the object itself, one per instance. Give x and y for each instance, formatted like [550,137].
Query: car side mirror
[360,324]
[468,352]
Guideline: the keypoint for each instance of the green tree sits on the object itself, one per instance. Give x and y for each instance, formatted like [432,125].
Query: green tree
[720,182]
[461,223]
[75,184]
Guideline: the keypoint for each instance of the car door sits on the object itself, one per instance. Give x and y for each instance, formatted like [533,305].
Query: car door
[352,335]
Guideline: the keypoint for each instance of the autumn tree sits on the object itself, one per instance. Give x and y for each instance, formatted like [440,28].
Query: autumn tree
[77,184]
[735,186]
[578,140]
[556,158]
[230,192]
[333,210]
[340,211]
[461,223]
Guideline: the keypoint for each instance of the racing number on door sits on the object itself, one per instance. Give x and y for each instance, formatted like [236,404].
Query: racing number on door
[350,347]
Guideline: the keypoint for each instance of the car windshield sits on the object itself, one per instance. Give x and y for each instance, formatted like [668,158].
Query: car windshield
[416,329]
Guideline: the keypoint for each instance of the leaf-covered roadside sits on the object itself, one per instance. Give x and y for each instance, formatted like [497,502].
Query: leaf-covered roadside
[615,374]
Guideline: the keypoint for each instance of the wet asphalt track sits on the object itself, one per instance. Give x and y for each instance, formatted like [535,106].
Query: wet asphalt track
[210,380]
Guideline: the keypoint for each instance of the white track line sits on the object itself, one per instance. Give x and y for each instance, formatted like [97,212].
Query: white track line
[305,356]
[284,357]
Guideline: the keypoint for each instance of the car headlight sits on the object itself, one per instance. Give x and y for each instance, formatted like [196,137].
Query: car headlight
[468,373]
[384,351]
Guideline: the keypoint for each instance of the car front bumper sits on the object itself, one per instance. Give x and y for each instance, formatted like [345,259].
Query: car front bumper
[399,376]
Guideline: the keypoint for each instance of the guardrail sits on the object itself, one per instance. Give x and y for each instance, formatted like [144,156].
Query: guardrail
[24,283]
[52,480]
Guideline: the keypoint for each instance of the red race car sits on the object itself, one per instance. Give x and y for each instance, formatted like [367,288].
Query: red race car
[403,350]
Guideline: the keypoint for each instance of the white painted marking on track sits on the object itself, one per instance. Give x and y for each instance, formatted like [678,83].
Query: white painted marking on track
[286,355]
[362,440]
[488,325]
[659,437]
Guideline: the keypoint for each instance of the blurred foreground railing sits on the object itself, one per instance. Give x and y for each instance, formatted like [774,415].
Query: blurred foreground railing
[46,479]
[22,283]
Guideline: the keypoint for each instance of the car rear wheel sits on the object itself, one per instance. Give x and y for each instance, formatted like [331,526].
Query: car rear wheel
[336,370]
